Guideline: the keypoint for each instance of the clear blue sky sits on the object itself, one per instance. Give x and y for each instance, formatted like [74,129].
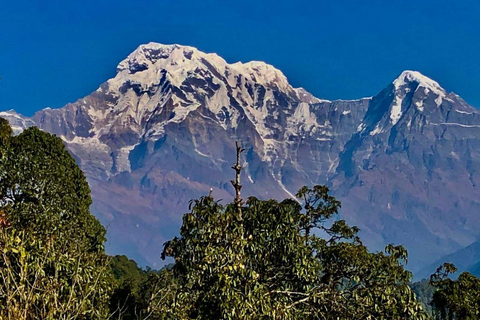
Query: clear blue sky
[54,52]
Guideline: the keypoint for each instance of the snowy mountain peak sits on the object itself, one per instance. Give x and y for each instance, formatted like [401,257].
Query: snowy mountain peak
[158,87]
[262,72]
[148,60]
[422,86]
[409,94]
[408,76]
[181,61]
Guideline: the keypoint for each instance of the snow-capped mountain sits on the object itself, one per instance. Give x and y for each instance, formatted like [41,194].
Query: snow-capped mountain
[413,166]
[17,121]
[162,131]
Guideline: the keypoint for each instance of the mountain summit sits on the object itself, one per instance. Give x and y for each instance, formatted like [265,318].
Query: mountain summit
[408,76]
[180,61]
[162,131]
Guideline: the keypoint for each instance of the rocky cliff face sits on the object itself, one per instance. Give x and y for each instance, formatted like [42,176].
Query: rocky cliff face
[412,166]
[162,132]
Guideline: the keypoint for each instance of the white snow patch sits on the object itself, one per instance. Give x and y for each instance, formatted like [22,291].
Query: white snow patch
[376,130]
[424,82]
[17,121]
[201,153]
[457,124]
[303,118]
[279,180]
[364,98]
[332,164]
[396,110]
[463,112]
[122,162]
[419,105]
[306,96]
[361,127]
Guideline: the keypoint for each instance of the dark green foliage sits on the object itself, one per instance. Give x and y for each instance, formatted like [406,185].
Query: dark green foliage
[5,134]
[52,262]
[127,299]
[455,299]
[126,271]
[46,193]
[274,266]
[138,294]
[5,138]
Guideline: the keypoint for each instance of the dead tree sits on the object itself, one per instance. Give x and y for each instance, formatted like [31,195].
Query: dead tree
[236,183]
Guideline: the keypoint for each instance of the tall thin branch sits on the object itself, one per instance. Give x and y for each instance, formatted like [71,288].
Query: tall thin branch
[236,183]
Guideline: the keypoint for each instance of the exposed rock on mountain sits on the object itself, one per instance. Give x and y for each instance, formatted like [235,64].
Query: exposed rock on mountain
[412,166]
[162,131]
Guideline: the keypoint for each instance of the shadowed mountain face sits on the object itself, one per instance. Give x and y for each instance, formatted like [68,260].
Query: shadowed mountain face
[403,163]
[465,259]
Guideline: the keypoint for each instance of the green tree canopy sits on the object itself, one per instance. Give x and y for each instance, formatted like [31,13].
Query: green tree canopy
[283,261]
[52,261]
[6,133]
[44,192]
[455,299]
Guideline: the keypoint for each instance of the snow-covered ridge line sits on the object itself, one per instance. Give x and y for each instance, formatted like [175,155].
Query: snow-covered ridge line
[179,61]
[17,121]
[158,85]
[347,100]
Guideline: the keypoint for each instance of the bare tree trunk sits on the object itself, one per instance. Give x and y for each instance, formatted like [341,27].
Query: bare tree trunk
[236,183]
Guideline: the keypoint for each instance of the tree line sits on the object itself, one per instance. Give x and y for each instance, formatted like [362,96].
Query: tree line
[252,259]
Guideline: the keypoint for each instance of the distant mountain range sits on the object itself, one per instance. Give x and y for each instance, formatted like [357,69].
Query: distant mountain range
[465,259]
[405,163]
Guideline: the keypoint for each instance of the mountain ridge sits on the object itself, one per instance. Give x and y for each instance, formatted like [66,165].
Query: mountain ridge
[170,106]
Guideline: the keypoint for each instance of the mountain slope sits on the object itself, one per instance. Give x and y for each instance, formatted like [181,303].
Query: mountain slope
[413,167]
[161,132]
[465,259]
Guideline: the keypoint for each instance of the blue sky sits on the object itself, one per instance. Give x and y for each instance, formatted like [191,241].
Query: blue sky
[54,52]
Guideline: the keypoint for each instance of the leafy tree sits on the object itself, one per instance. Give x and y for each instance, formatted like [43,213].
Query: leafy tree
[52,261]
[46,194]
[5,134]
[455,299]
[129,278]
[159,293]
[138,294]
[127,271]
[128,300]
[266,260]
[424,292]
